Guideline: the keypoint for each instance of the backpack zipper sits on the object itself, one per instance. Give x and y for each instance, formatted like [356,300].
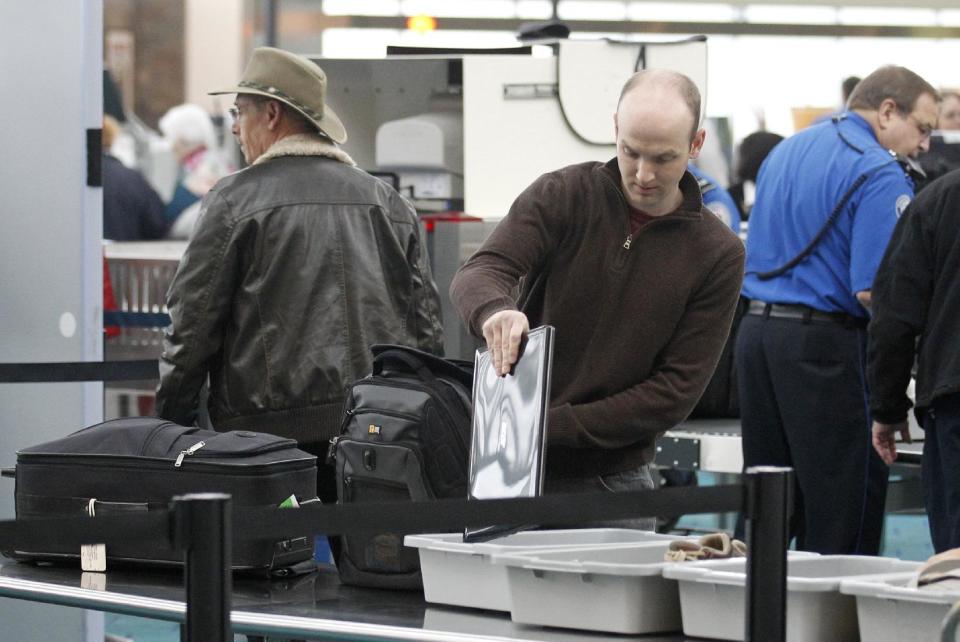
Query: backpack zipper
[350,481]
[365,410]
[331,458]
[189,451]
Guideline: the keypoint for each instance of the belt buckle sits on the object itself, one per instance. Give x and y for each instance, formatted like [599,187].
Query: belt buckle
[758,308]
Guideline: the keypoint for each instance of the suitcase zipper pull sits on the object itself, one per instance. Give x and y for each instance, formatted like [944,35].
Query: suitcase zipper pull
[189,451]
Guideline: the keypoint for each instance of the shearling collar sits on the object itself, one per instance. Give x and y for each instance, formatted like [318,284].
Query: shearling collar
[305,145]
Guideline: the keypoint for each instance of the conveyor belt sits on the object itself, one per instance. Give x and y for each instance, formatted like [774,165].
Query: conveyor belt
[312,606]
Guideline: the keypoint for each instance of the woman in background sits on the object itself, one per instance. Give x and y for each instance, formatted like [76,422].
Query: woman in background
[949,110]
[193,140]
[751,153]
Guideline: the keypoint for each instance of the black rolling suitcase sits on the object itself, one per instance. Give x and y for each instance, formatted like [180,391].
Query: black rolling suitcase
[140,463]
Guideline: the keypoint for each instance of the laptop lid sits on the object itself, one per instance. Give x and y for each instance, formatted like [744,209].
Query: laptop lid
[509,427]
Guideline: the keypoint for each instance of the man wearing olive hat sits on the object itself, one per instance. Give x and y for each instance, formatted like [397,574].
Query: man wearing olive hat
[298,264]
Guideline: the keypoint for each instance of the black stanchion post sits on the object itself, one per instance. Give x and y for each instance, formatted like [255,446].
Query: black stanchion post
[201,527]
[767,506]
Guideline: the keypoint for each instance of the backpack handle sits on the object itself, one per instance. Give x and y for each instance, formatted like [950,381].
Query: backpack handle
[453,369]
[407,359]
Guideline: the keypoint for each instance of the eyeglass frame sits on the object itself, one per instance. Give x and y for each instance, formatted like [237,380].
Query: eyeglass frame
[925,130]
[234,109]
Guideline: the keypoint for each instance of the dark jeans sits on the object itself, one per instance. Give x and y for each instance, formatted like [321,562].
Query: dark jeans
[638,479]
[941,471]
[803,404]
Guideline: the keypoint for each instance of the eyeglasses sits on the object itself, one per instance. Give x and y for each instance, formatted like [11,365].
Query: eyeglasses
[924,129]
[235,111]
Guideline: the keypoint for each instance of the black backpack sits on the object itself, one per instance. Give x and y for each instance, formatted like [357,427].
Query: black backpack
[405,436]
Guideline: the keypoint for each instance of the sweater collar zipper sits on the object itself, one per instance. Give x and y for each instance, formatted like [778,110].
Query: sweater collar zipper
[629,240]
[632,235]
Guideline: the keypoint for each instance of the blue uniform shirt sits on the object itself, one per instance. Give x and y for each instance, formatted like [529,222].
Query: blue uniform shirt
[800,183]
[716,199]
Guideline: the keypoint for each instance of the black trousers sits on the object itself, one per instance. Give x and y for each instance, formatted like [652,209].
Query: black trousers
[803,404]
[941,471]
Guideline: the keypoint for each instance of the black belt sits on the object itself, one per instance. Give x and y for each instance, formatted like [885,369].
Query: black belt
[804,313]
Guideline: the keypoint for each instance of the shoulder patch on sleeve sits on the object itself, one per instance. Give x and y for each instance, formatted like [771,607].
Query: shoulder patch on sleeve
[705,185]
[902,201]
[720,211]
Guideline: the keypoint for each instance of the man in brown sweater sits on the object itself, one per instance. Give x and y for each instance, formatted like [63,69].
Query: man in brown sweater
[638,278]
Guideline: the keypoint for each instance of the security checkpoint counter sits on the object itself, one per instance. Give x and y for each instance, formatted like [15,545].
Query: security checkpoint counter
[714,446]
[313,606]
[710,445]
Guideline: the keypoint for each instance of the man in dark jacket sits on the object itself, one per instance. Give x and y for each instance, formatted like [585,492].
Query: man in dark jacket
[638,278]
[917,294]
[297,265]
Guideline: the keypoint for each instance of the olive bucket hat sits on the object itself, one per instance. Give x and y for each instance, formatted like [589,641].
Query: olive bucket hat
[293,80]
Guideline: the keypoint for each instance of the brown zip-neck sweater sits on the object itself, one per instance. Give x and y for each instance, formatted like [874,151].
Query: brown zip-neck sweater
[640,319]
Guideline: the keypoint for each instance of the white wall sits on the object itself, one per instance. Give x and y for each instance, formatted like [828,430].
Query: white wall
[748,76]
[214,56]
[773,74]
[50,256]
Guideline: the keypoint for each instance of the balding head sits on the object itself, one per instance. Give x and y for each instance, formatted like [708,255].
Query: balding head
[657,132]
[654,83]
[900,106]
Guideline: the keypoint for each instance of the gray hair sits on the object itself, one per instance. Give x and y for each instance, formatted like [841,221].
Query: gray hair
[190,124]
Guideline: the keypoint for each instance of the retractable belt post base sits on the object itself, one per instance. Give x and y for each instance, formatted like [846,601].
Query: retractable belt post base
[201,528]
[767,505]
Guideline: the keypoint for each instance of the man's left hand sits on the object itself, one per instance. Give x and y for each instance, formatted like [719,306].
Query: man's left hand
[885,441]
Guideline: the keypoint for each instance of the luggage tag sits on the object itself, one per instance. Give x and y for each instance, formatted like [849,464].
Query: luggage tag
[93,581]
[93,557]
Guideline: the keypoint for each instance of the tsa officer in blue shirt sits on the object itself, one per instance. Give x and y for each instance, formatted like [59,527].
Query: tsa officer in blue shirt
[828,199]
[716,199]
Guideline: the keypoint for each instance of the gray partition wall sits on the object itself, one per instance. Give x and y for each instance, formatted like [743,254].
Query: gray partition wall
[50,257]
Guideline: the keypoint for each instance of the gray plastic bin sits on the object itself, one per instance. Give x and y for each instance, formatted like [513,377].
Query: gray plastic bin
[616,589]
[712,596]
[890,610]
[459,573]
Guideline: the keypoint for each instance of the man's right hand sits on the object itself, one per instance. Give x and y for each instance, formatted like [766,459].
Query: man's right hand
[503,331]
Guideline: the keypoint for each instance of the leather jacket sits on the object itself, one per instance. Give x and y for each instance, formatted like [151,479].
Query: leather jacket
[298,264]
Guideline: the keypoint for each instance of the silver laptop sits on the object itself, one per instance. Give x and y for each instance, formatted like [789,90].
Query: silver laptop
[509,428]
